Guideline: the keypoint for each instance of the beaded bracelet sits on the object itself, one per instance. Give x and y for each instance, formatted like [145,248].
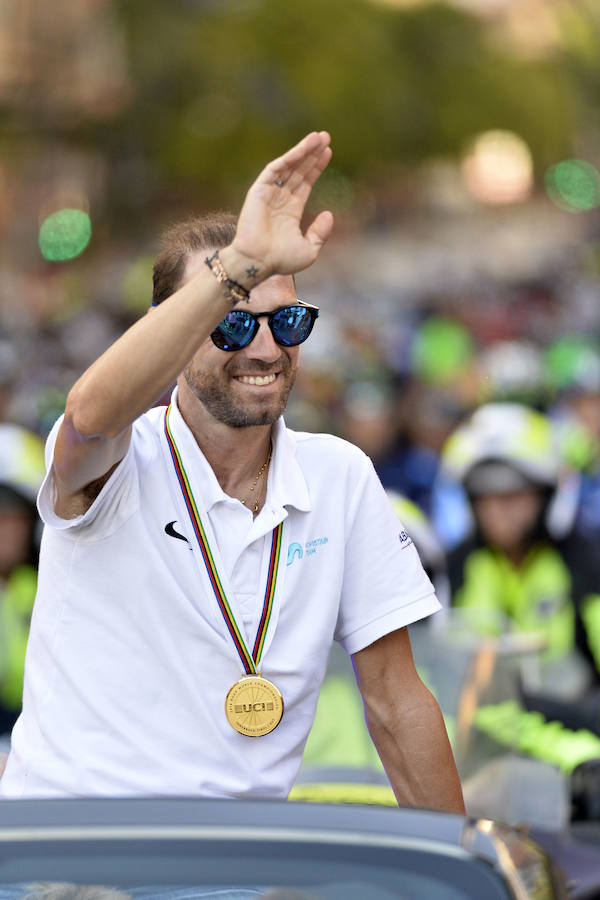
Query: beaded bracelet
[234,292]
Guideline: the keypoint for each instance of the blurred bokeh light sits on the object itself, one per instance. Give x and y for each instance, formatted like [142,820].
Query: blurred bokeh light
[64,234]
[498,168]
[574,185]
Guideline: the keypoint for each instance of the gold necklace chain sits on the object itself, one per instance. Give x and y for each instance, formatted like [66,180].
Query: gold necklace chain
[264,466]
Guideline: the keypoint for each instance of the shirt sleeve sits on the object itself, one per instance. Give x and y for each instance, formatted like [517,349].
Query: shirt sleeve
[115,503]
[384,586]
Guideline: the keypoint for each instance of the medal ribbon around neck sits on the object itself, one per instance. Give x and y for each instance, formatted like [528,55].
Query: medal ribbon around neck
[249,660]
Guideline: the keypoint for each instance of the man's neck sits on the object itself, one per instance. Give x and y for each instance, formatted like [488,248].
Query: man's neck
[234,454]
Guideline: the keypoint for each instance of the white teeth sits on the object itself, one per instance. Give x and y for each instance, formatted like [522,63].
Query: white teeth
[257,379]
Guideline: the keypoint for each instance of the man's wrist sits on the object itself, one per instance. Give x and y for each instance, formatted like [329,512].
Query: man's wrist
[233,291]
[244,270]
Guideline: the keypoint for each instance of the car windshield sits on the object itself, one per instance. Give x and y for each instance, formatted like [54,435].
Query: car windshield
[405,887]
[232,869]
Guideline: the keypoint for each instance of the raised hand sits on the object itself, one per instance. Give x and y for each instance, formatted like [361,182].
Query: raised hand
[269,235]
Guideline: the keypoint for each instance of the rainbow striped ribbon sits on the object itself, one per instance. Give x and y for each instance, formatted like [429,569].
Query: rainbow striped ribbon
[250,660]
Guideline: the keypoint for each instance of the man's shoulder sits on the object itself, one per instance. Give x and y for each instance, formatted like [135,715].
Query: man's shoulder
[328,446]
[149,423]
[145,436]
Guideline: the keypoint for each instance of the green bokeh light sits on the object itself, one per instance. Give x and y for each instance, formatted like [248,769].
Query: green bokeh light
[441,349]
[65,234]
[573,185]
[571,361]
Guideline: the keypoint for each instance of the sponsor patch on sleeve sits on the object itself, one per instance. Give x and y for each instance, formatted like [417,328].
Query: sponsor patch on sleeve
[405,540]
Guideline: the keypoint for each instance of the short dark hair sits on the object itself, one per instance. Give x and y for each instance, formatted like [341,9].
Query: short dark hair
[213,230]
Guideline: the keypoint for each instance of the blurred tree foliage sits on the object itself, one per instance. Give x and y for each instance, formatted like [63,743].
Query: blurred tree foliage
[222,86]
[579,22]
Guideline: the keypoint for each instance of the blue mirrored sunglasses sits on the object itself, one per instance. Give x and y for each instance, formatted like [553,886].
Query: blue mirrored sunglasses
[290,326]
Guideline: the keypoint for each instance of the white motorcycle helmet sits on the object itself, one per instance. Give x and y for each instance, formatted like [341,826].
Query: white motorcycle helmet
[499,439]
[505,447]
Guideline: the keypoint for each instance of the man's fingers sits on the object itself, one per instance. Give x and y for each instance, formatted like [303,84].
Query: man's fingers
[269,222]
[318,232]
[311,145]
[321,162]
[298,159]
[304,187]
[306,177]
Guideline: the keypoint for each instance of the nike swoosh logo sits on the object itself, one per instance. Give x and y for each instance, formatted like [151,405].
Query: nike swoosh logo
[172,533]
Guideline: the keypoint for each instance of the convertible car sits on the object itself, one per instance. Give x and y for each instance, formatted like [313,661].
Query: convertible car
[183,849]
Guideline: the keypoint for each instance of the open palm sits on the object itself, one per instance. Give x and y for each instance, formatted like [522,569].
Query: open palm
[269,223]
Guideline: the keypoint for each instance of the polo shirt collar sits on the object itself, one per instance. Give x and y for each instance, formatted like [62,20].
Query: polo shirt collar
[286,484]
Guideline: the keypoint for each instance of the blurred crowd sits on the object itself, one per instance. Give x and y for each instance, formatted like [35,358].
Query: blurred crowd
[397,379]
[480,409]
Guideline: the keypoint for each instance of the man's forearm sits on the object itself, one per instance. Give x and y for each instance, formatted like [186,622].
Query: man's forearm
[415,751]
[138,368]
[406,725]
[125,381]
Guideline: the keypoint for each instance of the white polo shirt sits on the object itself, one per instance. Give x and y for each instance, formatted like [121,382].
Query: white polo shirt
[129,658]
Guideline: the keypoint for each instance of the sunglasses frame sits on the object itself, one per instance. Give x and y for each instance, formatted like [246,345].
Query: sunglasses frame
[314,310]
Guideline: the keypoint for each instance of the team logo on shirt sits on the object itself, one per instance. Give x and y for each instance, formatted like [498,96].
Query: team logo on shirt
[175,534]
[296,551]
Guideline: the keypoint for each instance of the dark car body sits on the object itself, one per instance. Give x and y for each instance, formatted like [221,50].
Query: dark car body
[226,849]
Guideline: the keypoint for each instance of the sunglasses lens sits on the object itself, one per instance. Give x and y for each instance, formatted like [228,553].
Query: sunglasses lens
[292,325]
[235,331]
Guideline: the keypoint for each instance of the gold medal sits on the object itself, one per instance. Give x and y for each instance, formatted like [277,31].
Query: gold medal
[254,706]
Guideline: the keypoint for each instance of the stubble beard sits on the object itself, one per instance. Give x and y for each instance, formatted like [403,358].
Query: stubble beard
[217,397]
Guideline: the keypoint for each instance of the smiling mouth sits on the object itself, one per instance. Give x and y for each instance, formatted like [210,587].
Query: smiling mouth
[257,379]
